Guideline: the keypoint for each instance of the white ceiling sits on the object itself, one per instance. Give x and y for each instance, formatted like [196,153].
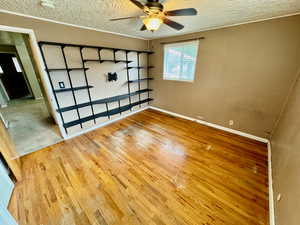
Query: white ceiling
[96,13]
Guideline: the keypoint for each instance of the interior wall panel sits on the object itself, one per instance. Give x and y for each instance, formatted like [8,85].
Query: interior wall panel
[243,73]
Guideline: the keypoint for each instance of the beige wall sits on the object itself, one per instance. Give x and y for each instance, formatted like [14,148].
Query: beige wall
[48,31]
[243,73]
[286,161]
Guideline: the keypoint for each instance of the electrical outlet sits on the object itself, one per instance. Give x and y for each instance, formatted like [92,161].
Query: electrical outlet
[231,122]
[200,117]
[61,84]
[278,197]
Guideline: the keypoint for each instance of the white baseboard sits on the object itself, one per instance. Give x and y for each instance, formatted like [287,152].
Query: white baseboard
[3,105]
[271,193]
[240,133]
[104,124]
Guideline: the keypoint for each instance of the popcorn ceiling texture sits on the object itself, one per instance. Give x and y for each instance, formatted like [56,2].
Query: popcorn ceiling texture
[96,13]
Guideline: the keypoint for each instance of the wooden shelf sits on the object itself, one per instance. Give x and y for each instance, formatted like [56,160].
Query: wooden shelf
[91,60]
[143,79]
[41,43]
[143,91]
[65,69]
[114,61]
[106,60]
[139,67]
[107,113]
[72,89]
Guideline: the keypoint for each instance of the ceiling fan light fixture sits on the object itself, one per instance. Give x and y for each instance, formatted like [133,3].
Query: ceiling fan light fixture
[152,23]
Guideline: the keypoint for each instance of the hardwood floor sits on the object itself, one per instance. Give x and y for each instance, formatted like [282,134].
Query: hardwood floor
[150,168]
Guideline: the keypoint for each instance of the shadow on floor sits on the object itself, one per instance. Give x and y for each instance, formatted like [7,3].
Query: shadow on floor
[30,125]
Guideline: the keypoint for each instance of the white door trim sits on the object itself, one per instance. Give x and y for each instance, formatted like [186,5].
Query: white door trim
[271,193]
[41,68]
[5,217]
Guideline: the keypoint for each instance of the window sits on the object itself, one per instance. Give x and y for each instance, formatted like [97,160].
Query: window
[17,65]
[180,61]
[1,71]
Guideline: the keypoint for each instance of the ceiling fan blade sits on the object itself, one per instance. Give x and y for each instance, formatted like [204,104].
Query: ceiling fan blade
[125,18]
[173,24]
[182,12]
[137,3]
[143,28]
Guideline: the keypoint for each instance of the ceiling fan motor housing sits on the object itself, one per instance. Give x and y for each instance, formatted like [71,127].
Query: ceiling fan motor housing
[154,6]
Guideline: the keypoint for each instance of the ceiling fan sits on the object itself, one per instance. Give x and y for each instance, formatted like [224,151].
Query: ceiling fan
[155,15]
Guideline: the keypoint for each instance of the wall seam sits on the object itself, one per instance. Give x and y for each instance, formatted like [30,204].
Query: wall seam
[285,104]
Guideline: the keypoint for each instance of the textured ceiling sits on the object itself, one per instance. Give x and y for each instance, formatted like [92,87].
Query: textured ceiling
[96,13]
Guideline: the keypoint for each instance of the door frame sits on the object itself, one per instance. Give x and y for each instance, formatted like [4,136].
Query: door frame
[37,57]
[5,179]
[5,217]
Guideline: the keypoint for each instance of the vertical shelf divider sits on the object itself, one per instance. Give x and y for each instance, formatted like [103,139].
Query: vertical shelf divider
[139,76]
[115,55]
[99,54]
[119,102]
[62,47]
[52,86]
[128,78]
[148,83]
[87,83]
[107,110]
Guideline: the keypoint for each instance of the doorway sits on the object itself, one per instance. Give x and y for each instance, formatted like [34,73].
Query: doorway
[23,104]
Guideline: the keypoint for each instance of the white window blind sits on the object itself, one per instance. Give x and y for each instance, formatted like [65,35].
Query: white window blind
[180,61]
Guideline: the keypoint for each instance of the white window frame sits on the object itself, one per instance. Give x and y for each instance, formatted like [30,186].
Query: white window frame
[180,44]
[17,64]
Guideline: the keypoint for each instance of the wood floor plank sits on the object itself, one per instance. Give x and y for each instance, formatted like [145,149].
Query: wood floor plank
[147,169]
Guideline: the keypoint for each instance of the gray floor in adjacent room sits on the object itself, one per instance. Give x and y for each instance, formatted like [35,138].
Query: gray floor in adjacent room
[30,126]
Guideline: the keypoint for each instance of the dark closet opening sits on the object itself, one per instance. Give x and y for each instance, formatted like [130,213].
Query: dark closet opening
[12,77]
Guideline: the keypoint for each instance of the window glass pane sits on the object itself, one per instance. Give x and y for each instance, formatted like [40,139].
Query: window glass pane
[17,65]
[172,62]
[189,62]
[180,61]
